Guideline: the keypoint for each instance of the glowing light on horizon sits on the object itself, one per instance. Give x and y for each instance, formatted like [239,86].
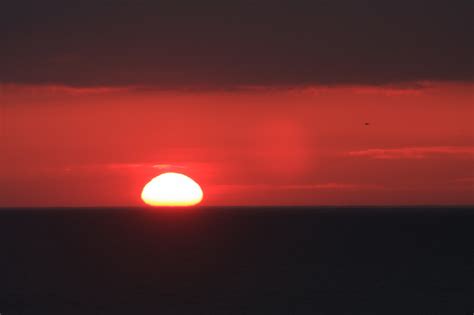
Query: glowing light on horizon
[172,190]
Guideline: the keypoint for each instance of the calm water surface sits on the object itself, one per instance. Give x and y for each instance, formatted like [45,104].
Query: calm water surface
[237,261]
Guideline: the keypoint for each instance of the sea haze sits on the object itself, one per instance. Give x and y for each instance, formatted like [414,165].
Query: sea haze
[333,260]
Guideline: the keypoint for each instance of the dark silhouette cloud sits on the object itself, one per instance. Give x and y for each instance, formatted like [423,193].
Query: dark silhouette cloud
[240,43]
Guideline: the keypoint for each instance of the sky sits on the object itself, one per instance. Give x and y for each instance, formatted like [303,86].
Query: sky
[275,103]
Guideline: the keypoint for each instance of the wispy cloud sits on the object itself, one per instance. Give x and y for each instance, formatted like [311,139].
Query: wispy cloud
[329,186]
[48,89]
[140,165]
[112,167]
[318,186]
[392,90]
[415,152]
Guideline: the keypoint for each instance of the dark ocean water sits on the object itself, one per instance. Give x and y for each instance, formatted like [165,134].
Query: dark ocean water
[237,261]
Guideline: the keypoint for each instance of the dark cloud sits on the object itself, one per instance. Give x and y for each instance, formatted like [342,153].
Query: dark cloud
[237,43]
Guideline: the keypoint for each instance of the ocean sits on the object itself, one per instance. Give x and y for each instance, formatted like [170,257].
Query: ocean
[237,260]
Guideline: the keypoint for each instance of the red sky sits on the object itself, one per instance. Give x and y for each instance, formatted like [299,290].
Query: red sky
[70,146]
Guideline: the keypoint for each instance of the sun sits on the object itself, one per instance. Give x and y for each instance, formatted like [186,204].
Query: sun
[172,190]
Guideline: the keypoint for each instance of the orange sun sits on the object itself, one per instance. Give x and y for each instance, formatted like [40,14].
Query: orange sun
[172,190]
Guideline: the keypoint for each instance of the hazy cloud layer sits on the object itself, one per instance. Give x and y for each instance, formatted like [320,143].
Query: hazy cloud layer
[414,152]
[239,43]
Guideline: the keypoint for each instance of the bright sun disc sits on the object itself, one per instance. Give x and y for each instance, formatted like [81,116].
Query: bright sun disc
[172,190]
